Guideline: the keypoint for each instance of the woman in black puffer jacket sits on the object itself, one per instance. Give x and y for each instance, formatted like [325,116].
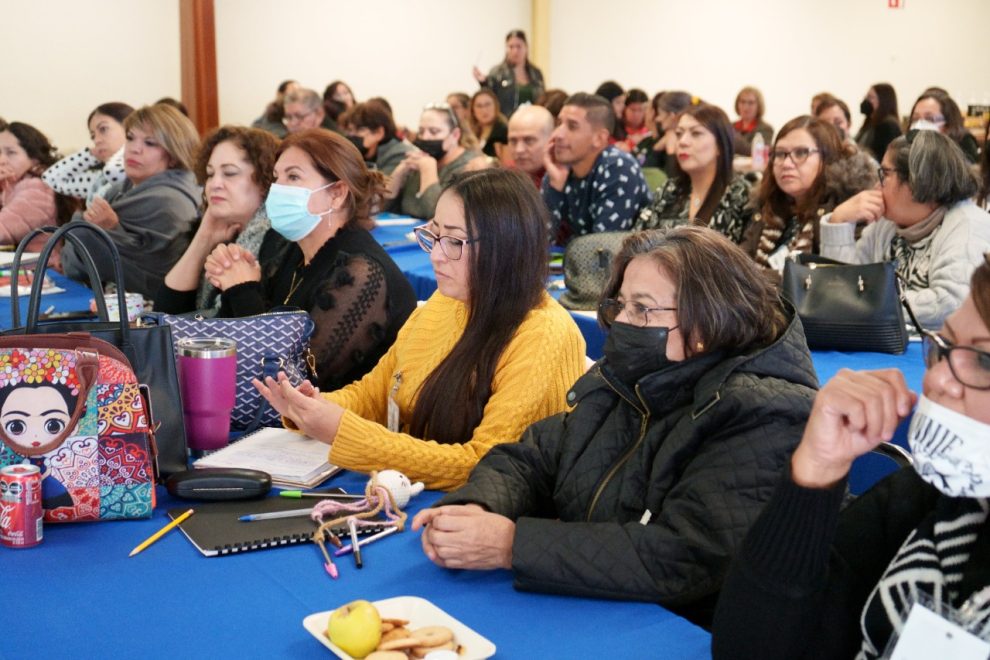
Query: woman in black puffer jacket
[675,442]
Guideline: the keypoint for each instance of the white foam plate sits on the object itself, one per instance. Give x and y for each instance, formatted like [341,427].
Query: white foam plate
[419,612]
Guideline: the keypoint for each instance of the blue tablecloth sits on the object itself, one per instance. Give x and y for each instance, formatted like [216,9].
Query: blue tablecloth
[78,595]
[75,299]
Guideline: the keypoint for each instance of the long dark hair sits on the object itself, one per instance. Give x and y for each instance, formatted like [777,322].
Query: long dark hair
[886,104]
[955,127]
[507,274]
[714,119]
[333,107]
[37,147]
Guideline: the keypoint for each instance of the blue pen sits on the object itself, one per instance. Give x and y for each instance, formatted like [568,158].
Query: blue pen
[275,514]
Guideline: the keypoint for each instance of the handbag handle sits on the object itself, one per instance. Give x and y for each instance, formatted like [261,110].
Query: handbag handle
[118,271]
[87,369]
[94,277]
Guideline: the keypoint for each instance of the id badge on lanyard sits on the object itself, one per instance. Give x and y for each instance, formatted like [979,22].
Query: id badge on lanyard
[393,407]
[927,634]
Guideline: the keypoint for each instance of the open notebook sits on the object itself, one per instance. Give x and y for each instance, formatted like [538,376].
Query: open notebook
[294,460]
[215,529]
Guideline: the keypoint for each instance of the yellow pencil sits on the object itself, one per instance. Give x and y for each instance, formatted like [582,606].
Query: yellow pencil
[162,532]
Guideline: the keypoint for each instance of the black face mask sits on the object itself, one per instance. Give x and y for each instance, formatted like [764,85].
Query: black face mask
[432,148]
[632,352]
[866,107]
[359,143]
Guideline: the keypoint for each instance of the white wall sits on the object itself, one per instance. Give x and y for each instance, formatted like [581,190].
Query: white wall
[412,52]
[790,49]
[62,58]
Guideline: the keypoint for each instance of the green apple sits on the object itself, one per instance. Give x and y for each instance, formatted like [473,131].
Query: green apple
[356,628]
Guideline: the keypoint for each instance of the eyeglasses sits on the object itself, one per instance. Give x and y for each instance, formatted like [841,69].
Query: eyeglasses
[638,314]
[444,107]
[451,246]
[798,156]
[969,365]
[884,172]
[296,117]
[935,119]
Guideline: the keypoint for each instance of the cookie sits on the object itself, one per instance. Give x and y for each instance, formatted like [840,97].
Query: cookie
[432,635]
[399,644]
[395,633]
[386,655]
[422,651]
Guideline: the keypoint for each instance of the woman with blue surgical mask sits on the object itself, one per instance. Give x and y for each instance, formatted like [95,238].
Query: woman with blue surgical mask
[910,557]
[330,266]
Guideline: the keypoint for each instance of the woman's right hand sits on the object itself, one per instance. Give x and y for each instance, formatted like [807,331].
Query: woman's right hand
[215,232]
[479,75]
[853,413]
[230,265]
[303,406]
[866,206]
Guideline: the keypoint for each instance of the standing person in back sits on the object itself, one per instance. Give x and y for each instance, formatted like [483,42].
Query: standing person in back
[590,186]
[515,81]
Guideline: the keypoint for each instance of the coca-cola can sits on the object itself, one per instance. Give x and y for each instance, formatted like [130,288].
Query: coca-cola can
[20,506]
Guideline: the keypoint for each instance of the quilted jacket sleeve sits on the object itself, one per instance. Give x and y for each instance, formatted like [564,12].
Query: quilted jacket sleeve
[682,554]
[517,479]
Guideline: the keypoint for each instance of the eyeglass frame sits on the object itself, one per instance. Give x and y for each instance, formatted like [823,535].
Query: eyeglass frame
[884,172]
[642,309]
[943,346]
[790,154]
[438,240]
[287,118]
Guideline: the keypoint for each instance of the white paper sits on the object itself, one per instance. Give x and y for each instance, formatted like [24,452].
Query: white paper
[926,635]
[291,458]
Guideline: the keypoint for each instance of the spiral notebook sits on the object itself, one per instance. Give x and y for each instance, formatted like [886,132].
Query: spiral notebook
[216,531]
[294,460]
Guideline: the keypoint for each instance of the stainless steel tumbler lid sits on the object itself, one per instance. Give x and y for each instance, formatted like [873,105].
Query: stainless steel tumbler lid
[206,347]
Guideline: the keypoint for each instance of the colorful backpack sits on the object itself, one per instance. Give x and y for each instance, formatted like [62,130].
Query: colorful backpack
[71,404]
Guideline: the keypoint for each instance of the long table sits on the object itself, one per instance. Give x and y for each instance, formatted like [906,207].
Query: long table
[79,596]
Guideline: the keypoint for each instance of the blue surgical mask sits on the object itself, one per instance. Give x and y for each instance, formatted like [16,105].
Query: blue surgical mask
[288,209]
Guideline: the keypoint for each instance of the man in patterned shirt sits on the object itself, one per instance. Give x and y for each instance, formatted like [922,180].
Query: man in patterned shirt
[590,186]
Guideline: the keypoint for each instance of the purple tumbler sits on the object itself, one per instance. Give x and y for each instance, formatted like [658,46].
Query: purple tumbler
[207,375]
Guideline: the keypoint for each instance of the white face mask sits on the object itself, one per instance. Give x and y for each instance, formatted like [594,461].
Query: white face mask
[925,125]
[951,451]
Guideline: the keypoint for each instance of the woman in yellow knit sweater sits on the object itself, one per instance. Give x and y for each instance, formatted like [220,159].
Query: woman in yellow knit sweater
[487,355]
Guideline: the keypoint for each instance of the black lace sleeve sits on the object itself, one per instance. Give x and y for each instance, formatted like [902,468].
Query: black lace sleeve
[351,313]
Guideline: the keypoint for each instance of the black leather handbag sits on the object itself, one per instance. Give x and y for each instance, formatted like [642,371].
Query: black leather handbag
[149,349]
[847,307]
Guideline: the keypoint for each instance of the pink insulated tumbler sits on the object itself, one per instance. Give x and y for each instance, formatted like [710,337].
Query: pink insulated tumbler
[207,370]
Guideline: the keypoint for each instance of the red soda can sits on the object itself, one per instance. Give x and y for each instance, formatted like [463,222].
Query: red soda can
[20,506]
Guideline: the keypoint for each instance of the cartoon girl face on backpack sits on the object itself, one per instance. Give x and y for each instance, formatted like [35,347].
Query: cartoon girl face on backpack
[38,395]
